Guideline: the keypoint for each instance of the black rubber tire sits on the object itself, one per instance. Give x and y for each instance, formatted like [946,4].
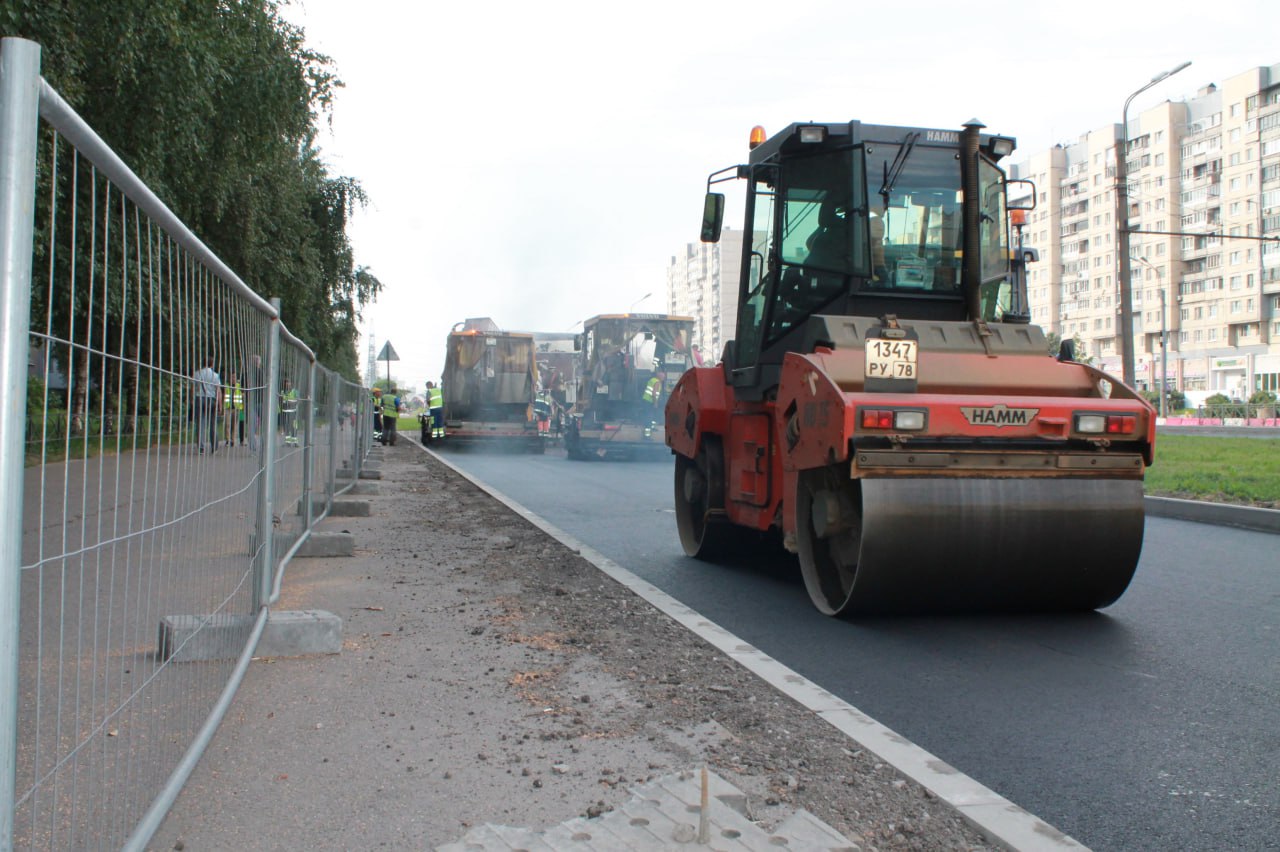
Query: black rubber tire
[573,443]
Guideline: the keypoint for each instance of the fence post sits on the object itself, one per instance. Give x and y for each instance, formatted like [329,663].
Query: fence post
[331,478]
[19,120]
[363,416]
[264,567]
[308,437]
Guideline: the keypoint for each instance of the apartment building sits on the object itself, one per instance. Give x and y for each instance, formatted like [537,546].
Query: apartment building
[702,282]
[1203,216]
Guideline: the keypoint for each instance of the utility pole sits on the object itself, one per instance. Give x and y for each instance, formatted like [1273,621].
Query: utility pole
[1164,354]
[1164,335]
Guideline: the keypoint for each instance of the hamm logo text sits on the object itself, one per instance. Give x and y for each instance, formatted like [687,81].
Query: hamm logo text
[999,415]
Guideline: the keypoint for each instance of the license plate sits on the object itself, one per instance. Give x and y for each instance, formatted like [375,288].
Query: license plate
[890,359]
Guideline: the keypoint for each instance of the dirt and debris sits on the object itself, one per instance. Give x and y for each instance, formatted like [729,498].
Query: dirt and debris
[491,675]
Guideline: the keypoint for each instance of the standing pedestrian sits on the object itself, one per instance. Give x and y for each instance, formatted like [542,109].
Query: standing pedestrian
[208,393]
[232,410]
[255,382]
[435,405]
[289,413]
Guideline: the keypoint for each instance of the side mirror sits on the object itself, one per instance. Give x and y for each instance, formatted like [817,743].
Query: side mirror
[1020,194]
[712,217]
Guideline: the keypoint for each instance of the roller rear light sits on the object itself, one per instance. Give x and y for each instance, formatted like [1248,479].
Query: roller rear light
[892,419]
[1106,424]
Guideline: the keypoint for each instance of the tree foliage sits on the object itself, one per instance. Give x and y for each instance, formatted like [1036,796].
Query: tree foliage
[1054,341]
[215,105]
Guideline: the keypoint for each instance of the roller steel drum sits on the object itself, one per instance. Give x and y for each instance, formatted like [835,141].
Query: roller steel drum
[966,544]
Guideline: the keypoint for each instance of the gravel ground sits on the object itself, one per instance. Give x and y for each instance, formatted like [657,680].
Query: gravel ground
[491,675]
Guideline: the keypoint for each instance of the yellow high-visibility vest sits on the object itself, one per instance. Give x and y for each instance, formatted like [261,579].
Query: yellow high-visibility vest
[652,389]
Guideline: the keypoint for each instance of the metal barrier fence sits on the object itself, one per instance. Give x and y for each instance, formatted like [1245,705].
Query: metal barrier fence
[170,453]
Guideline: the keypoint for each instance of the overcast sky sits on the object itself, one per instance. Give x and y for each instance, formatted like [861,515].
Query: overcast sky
[540,163]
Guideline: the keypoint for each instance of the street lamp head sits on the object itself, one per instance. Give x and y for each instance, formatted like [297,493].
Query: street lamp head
[1163,74]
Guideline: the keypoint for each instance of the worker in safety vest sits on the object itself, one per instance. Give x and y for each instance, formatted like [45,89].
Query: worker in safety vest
[233,410]
[435,404]
[289,413]
[653,389]
[377,414]
[390,414]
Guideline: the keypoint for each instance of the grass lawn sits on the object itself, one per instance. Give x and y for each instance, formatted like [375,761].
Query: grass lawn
[1224,470]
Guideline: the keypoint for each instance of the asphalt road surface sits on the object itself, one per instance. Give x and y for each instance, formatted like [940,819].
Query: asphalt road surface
[1150,725]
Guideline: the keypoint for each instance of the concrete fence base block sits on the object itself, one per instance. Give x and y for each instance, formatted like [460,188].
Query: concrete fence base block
[325,544]
[344,473]
[188,638]
[366,489]
[350,509]
[371,473]
[296,633]
[281,541]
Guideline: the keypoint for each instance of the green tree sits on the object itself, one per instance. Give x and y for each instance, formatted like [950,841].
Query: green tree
[1054,345]
[215,106]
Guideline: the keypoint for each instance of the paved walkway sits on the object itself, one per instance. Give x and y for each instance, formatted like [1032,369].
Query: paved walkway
[451,717]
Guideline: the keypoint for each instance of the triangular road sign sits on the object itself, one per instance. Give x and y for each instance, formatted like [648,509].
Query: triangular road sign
[388,353]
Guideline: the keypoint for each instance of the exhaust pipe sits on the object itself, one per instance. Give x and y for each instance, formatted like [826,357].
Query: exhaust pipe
[971,213]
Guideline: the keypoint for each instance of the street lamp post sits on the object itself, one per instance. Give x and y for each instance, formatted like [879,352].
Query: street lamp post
[638,301]
[1122,226]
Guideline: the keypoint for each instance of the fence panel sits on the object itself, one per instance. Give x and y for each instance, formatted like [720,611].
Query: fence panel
[172,440]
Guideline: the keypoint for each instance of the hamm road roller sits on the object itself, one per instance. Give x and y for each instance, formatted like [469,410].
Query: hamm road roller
[886,403]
